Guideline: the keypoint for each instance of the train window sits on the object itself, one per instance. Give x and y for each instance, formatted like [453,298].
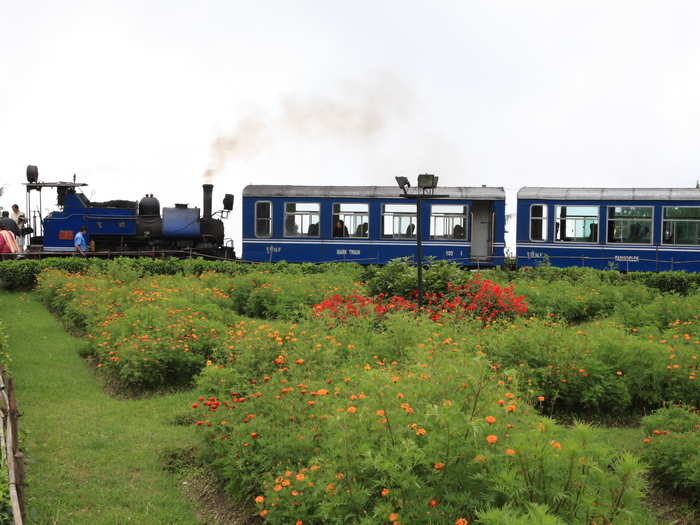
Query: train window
[448,221]
[538,222]
[682,225]
[301,219]
[399,221]
[351,219]
[576,224]
[263,219]
[630,224]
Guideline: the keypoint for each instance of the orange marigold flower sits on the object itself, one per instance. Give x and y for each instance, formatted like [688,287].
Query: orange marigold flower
[461,521]
[277,488]
[379,412]
[259,499]
[299,522]
[501,402]
[510,395]
[510,452]
[555,444]
[421,432]
[540,398]
[393,516]
[384,492]
[300,477]
[439,466]
[433,503]
[352,410]
[647,440]
[510,408]
[490,420]
[491,439]
[262,513]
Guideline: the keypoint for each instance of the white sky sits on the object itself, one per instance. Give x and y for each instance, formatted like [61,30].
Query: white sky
[131,95]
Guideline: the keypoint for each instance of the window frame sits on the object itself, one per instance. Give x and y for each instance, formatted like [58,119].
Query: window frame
[464,215]
[294,214]
[558,219]
[663,221]
[350,235]
[269,219]
[544,219]
[608,220]
[384,214]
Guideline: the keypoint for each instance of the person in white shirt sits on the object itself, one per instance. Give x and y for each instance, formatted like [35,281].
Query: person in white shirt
[21,221]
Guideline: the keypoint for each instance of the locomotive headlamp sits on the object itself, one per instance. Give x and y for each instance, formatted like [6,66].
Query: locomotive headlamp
[403,183]
[228,202]
[427,181]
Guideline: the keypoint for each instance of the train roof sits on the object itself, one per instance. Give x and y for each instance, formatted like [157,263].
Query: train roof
[376,192]
[610,194]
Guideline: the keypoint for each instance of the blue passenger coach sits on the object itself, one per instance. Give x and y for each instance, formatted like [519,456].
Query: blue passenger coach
[371,224]
[636,229]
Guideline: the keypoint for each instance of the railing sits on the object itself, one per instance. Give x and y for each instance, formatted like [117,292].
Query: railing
[10,445]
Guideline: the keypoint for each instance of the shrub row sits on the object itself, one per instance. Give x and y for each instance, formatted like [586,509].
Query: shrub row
[667,282]
[160,330]
[672,448]
[402,425]
[602,368]
[22,274]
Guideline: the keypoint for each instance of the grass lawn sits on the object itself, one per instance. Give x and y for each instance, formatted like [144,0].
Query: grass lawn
[90,458]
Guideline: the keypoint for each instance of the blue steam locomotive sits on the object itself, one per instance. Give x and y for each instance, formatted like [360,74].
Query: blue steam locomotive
[127,227]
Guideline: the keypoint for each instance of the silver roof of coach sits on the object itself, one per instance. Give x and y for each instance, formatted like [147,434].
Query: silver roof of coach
[610,194]
[381,192]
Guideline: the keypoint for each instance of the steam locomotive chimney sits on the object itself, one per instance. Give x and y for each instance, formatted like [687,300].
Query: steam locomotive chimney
[206,212]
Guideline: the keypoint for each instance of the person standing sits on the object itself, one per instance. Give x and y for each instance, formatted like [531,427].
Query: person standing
[4,248]
[9,223]
[21,221]
[80,241]
[9,242]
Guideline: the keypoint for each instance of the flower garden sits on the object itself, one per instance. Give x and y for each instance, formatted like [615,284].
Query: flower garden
[325,395]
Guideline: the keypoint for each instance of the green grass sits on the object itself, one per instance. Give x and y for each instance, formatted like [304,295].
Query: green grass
[90,458]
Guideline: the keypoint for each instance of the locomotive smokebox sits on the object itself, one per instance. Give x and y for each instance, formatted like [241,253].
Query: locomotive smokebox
[206,208]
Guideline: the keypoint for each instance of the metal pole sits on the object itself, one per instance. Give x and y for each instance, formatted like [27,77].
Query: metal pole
[419,249]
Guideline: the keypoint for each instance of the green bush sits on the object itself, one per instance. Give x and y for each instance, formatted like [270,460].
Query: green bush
[156,331]
[596,370]
[661,312]
[399,277]
[322,431]
[672,448]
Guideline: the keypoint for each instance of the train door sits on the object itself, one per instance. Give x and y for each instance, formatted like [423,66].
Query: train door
[482,229]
